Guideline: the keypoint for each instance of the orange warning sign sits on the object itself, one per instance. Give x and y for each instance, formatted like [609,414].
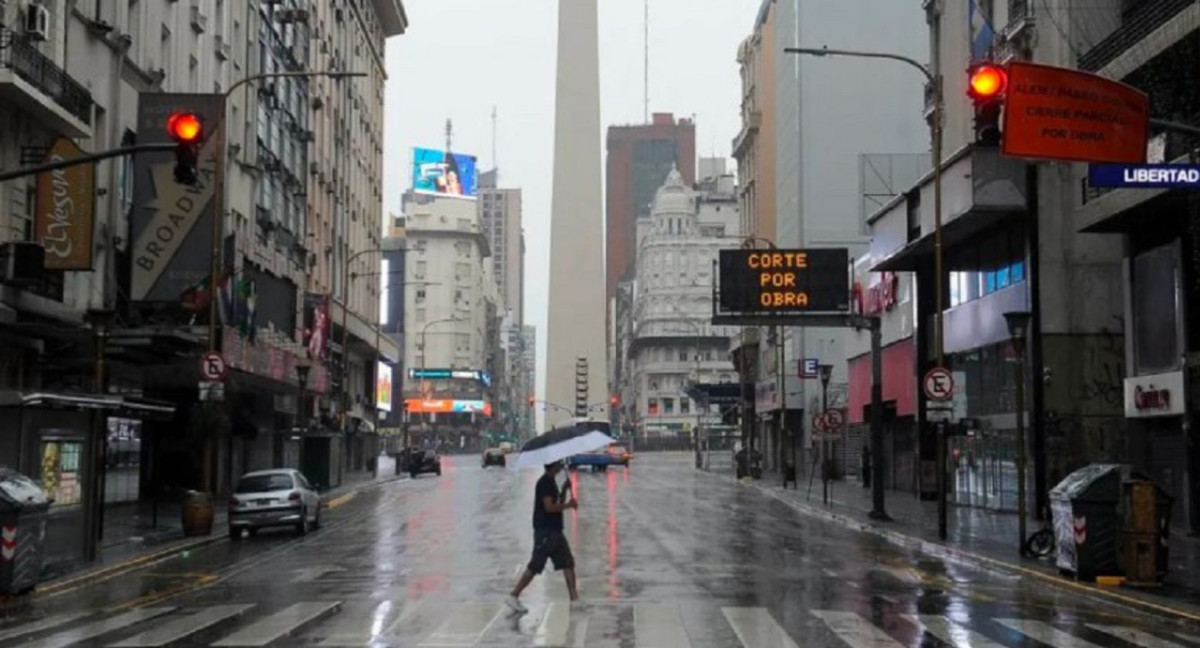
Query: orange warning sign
[1059,114]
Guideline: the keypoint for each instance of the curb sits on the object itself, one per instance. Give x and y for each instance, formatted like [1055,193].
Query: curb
[948,552]
[70,582]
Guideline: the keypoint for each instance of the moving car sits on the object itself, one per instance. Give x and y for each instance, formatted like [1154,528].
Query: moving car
[423,461]
[600,460]
[494,457]
[273,498]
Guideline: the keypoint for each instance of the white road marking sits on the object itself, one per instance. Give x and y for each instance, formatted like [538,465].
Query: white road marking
[657,625]
[281,624]
[92,630]
[363,629]
[562,627]
[756,628]
[172,630]
[951,633]
[1046,633]
[309,574]
[42,624]
[1135,637]
[855,630]
[465,625]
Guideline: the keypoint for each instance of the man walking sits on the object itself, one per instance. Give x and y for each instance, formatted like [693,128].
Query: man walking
[549,543]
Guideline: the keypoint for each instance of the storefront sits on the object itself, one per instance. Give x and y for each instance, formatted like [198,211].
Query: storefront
[1156,442]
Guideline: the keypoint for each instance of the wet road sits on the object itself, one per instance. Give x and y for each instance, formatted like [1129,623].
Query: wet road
[667,557]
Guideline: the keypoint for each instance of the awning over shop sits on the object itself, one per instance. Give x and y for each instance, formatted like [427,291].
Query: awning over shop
[118,405]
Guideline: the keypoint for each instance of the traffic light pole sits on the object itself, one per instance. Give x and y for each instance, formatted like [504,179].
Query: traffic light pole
[85,159]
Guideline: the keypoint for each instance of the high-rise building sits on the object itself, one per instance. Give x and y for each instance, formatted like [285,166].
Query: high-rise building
[500,215]
[576,323]
[639,157]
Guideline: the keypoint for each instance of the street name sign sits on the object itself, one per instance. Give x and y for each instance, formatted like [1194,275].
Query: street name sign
[1054,113]
[1144,176]
[785,281]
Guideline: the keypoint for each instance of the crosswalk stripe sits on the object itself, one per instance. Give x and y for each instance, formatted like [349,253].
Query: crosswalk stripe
[756,628]
[1134,636]
[37,626]
[281,624]
[855,630]
[174,630]
[659,626]
[351,633]
[562,627]
[465,626]
[951,633]
[98,628]
[1046,633]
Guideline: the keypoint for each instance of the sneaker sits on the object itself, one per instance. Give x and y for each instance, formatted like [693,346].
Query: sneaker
[514,604]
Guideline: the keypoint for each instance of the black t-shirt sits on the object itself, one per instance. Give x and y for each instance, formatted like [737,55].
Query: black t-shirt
[544,520]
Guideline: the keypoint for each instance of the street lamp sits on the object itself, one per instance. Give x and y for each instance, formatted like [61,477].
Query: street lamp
[1018,331]
[826,373]
[421,346]
[378,331]
[219,183]
[935,127]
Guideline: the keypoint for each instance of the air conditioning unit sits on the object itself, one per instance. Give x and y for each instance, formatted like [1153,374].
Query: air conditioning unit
[37,22]
[199,20]
[22,263]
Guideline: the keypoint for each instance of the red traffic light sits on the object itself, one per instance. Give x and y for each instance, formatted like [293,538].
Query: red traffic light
[987,82]
[184,127]
[614,400]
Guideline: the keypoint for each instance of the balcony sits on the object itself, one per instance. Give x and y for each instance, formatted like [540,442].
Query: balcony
[38,86]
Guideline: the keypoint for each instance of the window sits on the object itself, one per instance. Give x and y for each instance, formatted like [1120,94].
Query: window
[668,405]
[420,295]
[685,405]
[420,315]
[419,271]
[652,406]
[1155,299]
[683,356]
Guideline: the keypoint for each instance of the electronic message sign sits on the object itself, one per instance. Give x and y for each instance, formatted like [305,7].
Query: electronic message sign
[785,281]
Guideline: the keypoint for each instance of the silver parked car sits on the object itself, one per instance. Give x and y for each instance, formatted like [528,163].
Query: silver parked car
[273,498]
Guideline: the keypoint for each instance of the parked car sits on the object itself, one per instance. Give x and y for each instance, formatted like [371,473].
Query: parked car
[507,447]
[620,454]
[273,498]
[423,461]
[494,457]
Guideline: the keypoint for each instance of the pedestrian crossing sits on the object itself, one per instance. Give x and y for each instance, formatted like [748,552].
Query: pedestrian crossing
[447,624]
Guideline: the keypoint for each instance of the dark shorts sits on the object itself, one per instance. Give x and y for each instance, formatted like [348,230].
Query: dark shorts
[550,545]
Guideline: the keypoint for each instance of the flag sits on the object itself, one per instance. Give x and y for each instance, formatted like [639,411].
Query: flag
[983,36]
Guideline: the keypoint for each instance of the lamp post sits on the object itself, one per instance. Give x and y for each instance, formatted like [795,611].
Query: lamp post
[936,128]
[421,347]
[826,467]
[378,331]
[219,183]
[1018,331]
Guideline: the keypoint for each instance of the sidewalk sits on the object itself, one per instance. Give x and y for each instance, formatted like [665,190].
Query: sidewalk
[134,535]
[988,537]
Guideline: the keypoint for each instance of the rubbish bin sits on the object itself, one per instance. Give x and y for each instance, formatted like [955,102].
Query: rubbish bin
[1087,520]
[1146,531]
[197,514]
[23,506]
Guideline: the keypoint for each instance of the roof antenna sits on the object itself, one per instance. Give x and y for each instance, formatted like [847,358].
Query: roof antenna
[495,163]
[646,70]
[449,133]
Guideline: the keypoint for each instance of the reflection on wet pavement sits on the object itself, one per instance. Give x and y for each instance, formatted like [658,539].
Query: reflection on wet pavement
[667,557]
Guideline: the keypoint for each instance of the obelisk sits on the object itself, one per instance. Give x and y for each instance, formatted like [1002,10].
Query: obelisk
[576,313]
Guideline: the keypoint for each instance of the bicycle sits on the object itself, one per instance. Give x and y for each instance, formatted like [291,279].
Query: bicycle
[1042,543]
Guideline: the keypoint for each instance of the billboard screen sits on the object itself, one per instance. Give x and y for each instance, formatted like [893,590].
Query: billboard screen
[785,281]
[448,406]
[383,387]
[444,173]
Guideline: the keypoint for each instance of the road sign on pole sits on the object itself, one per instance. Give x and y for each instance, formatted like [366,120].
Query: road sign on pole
[939,384]
[212,367]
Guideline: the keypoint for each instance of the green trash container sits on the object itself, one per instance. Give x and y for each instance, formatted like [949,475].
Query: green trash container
[1087,521]
[23,506]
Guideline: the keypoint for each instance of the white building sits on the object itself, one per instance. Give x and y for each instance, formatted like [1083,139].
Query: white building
[672,342]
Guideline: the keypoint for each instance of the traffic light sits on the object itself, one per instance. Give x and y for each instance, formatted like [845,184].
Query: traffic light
[187,131]
[987,86]
[614,400]
[532,401]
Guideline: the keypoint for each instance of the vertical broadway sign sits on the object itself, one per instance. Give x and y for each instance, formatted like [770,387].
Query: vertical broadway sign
[171,226]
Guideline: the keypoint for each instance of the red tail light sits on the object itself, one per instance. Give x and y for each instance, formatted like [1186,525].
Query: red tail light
[295,496]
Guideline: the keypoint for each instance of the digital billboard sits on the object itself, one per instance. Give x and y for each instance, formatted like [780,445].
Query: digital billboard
[448,406]
[383,387]
[785,281]
[444,173]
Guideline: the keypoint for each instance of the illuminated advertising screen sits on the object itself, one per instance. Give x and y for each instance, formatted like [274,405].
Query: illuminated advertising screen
[444,173]
[383,387]
[785,281]
[448,406]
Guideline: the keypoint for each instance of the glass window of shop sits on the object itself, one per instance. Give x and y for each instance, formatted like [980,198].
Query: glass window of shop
[123,460]
[1155,295]
[993,264]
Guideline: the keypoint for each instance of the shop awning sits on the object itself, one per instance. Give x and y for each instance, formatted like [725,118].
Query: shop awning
[120,405]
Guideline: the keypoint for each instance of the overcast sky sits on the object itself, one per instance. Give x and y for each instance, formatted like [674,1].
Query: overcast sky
[460,58]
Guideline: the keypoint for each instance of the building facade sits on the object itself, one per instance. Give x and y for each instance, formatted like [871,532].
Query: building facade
[500,214]
[451,322]
[672,343]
